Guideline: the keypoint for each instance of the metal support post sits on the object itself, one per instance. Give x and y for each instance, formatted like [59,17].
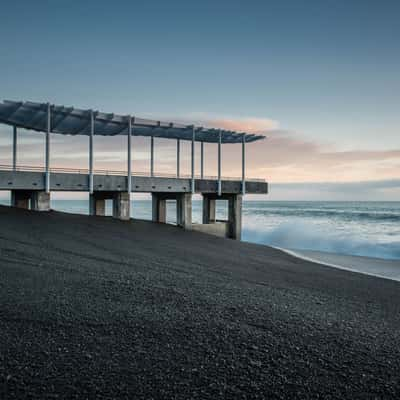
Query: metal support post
[219,164]
[244,165]
[91,137]
[131,121]
[193,142]
[14,148]
[47,155]
[202,160]
[178,157]
[152,156]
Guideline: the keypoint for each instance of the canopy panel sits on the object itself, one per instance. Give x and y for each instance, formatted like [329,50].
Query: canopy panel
[73,121]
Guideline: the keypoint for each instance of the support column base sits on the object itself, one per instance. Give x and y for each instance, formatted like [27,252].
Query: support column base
[97,204]
[40,201]
[35,200]
[20,199]
[159,208]
[235,216]
[209,209]
[121,204]
[184,210]
[234,222]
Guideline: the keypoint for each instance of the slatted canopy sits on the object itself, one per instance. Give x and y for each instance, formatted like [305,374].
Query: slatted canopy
[73,121]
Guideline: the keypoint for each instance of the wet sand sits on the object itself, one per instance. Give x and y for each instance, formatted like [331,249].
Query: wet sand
[382,268]
[97,308]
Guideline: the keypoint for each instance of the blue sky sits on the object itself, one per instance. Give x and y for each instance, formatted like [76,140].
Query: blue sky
[319,77]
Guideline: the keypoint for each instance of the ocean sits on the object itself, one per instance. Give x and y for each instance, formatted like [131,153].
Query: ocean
[370,229]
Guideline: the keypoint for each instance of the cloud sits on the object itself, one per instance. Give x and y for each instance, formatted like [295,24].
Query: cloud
[245,124]
[285,157]
[240,124]
[288,156]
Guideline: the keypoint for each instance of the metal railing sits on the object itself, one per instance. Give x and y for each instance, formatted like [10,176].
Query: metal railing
[85,171]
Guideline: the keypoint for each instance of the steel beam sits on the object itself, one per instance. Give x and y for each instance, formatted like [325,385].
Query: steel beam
[91,137]
[14,148]
[219,164]
[178,158]
[152,156]
[47,154]
[244,165]
[131,122]
[193,139]
[202,160]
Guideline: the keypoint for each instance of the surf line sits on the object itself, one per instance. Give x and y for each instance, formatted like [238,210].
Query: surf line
[305,258]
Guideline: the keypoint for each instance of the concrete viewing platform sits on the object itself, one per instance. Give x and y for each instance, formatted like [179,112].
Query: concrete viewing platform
[31,187]
[27,186]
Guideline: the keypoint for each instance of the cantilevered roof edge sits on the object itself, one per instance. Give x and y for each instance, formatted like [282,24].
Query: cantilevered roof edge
[74,121]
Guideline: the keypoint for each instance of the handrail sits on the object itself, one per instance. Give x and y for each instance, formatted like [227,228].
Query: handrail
[84,171]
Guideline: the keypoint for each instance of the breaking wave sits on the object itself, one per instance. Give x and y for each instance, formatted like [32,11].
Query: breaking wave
[303,236]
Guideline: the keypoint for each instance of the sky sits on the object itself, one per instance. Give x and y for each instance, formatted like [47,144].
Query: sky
[320,79]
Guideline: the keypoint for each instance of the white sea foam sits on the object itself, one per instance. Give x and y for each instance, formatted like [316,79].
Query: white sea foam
[387,269]
[308,236]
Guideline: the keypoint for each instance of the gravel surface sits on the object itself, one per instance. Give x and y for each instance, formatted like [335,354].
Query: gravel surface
[97,308]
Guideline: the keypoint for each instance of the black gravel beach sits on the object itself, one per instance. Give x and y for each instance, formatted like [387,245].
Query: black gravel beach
[95,308]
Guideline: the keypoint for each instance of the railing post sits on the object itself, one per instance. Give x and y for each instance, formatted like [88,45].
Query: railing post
[47,154]
[14,148]
[178,157]
[91,137]
[219,163]
[152,156]
[131,121]
[244,165]
[202,160]
[193,142]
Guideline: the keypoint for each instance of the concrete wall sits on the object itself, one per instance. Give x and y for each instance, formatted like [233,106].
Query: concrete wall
[219,229]
[23,180]
[211,186]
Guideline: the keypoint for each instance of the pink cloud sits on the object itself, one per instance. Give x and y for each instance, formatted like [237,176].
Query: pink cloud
[290,157]
[250,125]
[283,157]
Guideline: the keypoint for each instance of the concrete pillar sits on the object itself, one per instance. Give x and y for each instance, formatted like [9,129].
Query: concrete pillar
[34,199]
[209,209]
[40,201]
[97,204]
[184,210]
[121,206]
[159,208]
[20,198]
[235,216]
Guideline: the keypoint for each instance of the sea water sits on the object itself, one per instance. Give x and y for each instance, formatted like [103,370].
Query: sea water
[369,229]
